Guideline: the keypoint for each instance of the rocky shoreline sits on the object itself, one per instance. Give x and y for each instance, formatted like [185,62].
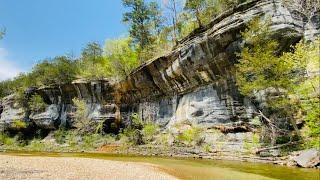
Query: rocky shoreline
[304,159]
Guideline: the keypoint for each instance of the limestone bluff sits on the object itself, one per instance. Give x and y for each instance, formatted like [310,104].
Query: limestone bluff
[195,81]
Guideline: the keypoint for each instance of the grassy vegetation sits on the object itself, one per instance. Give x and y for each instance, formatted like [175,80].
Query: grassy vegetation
[191,136]
[19,124]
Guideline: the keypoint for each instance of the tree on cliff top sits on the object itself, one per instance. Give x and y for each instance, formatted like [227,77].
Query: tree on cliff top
[121,57]
[139,18]
[196,7]
[92,64]
[145,22]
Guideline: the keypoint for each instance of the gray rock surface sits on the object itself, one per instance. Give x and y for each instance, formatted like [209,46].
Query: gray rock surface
[47,119]
[308,158]
[11,111]
[194,82]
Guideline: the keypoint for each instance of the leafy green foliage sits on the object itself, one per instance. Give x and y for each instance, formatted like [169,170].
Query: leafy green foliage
[259,67]
[137,122]
[36,104]
[132,135]
[308,90]
[121,57]
[60,70]
[293,74]
[5,139]
[19,124]
[92,64]
[149,131]
[191,136]
[141,17]
[81,121]
[139,132]
[205,10]
[196,7]
[60,135]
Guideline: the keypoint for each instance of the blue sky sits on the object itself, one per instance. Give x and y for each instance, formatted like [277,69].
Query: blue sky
[39,29]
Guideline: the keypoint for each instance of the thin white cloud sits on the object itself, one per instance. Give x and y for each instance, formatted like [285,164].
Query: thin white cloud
[8,69]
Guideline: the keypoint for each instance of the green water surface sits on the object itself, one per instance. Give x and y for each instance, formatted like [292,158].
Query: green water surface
[200,169]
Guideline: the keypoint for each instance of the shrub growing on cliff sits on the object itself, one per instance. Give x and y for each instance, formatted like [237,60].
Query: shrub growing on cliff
[81,121]
[132,135]
[149,131]
[191,136]
[261,68]
[60,135]
[19,124]
[139,132]
[5,139]
[36,104]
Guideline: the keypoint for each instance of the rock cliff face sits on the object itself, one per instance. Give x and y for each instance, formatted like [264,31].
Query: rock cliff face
[97,95]
[194,82]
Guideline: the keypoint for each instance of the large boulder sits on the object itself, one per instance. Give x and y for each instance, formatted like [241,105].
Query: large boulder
[308,158]
[48,118]
[11,111]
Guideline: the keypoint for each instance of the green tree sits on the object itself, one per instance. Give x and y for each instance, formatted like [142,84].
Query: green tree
[139,19]
[196,7]
[92,52]
[82,122]
[262,69]
[156,18]
[60,70]
[146,23]
[308,89]
[173,7]
[92,63]
[121,57]
[215,7]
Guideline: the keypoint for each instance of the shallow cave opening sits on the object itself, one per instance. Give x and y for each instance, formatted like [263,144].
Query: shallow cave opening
[110,127]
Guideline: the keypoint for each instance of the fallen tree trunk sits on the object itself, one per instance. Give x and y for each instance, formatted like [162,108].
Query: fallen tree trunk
[276,147]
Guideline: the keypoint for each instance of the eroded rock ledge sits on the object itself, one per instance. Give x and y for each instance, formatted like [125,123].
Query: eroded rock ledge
[194,82]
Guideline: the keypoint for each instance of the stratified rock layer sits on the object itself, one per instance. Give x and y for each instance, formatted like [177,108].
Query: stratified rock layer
[194,82]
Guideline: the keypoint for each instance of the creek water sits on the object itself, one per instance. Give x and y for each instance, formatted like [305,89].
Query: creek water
[197,168]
